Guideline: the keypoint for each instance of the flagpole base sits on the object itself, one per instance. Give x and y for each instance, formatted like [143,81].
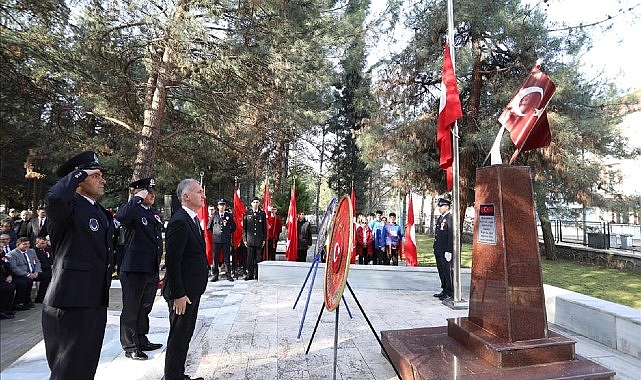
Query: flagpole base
[457,305]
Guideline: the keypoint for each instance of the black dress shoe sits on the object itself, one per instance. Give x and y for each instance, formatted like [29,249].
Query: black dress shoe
[438,295]
[230,278]
[136,355]
[6,316]
[20,307]
[248,277]
[214,279]
[445,297]
[150,346]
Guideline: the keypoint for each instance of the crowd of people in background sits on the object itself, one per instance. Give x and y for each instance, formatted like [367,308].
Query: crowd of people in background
[25,257]
[378,240]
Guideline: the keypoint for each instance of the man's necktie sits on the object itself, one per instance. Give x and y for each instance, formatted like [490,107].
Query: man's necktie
[198,224]
[26,257]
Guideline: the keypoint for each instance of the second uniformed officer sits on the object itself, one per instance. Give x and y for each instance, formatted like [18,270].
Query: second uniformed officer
[142,228]
[254,237]
[221,225]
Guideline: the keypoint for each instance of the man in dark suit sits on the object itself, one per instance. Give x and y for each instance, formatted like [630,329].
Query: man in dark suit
[221,225]
[139,267]
[43,251]
[74,314]
[443,248]
[254,237]
[37,226]
[186,276]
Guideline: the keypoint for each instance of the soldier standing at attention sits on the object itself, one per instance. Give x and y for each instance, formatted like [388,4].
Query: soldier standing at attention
[139,268]
[443,248]
[222,225]
[254,237]
[74,314]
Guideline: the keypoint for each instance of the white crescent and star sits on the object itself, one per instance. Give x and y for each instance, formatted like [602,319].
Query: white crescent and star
[515,104]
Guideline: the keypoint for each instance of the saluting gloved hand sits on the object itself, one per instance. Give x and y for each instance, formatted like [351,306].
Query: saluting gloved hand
[142,194]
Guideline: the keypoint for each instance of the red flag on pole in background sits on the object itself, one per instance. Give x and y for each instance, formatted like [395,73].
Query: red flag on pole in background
[291,246]
[353,199]
[239,214]
[267,207]
[525,116]
[449,111]
[203,216]
[409,246]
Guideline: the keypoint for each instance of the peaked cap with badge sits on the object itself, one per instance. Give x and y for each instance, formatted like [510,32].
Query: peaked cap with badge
[144,183]
[222,201]
[83,161]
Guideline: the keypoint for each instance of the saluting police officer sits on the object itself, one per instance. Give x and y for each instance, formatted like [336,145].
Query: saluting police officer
[142,229]
[254,237]
[222,225]
[75,306]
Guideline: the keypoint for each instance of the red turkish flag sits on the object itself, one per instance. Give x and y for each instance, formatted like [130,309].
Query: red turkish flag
[353,199]
[239,213]
[291,245]
[203,217]
[525,116]
[409,245]
[449,111]
[267,207]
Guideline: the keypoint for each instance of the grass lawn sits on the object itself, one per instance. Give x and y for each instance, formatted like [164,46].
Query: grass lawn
[607,284]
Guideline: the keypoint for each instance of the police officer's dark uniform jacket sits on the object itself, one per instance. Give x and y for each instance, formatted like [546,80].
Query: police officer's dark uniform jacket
[255,228]
[82,241]
[142,235]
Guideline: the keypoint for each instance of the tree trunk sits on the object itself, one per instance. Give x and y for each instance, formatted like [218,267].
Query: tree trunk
[155,103]
[548,237]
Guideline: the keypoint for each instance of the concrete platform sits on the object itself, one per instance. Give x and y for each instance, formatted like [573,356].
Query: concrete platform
[248,329]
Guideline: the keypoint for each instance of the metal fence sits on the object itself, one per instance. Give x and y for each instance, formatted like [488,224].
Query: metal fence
[602,235]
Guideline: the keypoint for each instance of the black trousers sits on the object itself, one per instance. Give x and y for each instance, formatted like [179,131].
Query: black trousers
[73,339]
[254,254]
[138,294]
[181,329]
[392,259]
[271,249]
[445,274]
[226,250]
[44,279]
[23,289]
[7,294]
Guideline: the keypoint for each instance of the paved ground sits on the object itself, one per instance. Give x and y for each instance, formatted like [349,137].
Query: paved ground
[247,330]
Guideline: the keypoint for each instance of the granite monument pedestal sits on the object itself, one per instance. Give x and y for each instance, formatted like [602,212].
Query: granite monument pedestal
[505,335]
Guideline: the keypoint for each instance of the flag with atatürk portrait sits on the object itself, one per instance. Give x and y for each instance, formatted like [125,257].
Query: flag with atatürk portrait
[525,116]
[449,111]
[291,245]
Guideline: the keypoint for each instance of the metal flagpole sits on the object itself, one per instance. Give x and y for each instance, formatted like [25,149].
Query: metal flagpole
[456,280]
